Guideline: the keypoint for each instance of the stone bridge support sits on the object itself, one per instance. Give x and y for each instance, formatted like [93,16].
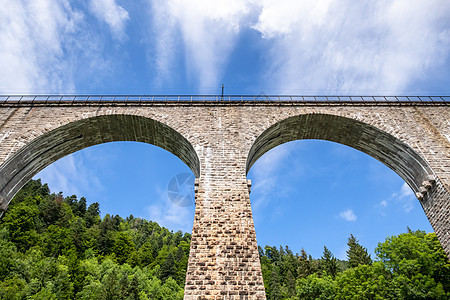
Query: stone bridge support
[224,260]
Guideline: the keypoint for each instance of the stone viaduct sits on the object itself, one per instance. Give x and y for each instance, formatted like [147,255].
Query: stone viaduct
[220,141]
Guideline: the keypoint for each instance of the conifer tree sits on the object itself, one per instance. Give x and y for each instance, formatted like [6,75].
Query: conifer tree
[329,262]
[357,254]
[168,268]
[290,284]
[306,264]
[92,215]
[274,284]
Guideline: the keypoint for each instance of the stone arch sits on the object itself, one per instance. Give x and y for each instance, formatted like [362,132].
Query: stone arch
[77,135]
[391,151]
[379,144]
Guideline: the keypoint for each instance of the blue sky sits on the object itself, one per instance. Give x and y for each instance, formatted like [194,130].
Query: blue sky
[305,193]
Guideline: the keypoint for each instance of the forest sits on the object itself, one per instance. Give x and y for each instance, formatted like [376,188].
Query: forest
[56,247]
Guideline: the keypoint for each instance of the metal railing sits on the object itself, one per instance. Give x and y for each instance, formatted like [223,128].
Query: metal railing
[212,98]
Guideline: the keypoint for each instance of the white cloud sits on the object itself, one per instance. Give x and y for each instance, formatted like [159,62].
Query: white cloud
[112,14]
[282,18]
[271,160]
[405,191]
[405,198]
[344,46]
[269,183]
[322,46]
[381,207]
[348,215]
[71,176]
[209,31]
[264,172]
[47,47]
[164,50]
[171,216]
[31,46]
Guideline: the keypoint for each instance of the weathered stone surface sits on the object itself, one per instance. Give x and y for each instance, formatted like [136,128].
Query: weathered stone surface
[220,142]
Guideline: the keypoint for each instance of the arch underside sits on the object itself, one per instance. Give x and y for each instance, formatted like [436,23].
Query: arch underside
[69,138]
[384,147]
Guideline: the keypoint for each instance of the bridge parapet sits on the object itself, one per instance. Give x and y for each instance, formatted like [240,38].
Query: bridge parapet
[275,99]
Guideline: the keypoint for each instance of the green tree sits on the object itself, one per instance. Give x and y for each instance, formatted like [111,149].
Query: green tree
[132,289]
[79,234]
[364,282]
[314,287]
[146,254]
[416,259]
[306,264]
[328,263]
[20,221]
[289,285]
[8,254]
[93,290]
[105,242]
[274,291]
[92,215]
[168,268]
[170,291]
[273,254]
[12,288]
[57,240]
[62,284]
[357,254]
[418,286]
[123,247]
[110,284]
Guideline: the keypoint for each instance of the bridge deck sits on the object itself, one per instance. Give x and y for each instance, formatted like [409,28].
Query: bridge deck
[25,100]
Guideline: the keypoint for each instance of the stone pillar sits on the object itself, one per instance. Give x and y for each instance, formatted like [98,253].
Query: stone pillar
[435,200]
[224,259]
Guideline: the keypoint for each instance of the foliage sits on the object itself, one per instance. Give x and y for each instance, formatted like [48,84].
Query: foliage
[328,263]
[315,287]
[357,254]
[419,265]
[412,265]
[58,248]
[363,282]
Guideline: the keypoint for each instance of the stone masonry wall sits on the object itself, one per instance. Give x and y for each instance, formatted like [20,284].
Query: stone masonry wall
[219,142]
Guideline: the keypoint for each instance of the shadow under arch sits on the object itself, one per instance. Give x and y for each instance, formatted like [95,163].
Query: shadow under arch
[75,136]
[379,144]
